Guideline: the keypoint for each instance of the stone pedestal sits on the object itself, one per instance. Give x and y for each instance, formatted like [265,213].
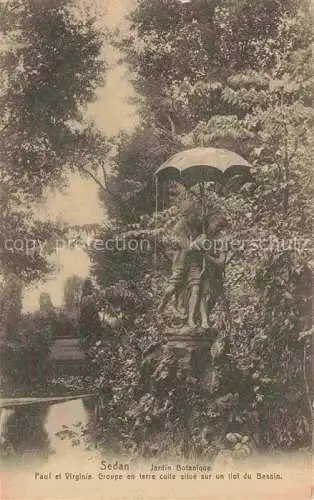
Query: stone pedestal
[193,351]
[191,347]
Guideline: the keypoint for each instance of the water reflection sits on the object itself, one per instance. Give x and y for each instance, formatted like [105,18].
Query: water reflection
[71,416]
[32,433]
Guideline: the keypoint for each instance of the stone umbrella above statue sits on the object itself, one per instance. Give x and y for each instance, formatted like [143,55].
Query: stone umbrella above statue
[198,165]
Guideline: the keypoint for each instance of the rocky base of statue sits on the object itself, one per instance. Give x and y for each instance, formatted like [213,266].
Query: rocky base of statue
[185,373]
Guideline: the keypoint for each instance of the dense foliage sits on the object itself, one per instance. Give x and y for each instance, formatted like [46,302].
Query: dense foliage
[235,75]
[26,340]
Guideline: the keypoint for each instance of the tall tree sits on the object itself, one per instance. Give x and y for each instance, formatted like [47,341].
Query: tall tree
[182,54]
[90,327]
[51,68]
[72,293]
[11,306]
[45,303]
[51,63]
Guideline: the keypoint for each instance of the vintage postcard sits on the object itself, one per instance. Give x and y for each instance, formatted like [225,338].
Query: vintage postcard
[155,250]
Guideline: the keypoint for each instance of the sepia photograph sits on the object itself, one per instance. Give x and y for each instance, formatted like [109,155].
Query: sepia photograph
[156,262]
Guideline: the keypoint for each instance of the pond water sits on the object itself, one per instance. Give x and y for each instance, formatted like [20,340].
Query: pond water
[33,453]
[41,433]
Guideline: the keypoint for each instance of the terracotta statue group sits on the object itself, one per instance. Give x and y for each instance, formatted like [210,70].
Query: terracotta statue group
[196,282]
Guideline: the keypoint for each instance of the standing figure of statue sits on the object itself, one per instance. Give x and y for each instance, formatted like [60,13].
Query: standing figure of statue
[185,233]
[206,270]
